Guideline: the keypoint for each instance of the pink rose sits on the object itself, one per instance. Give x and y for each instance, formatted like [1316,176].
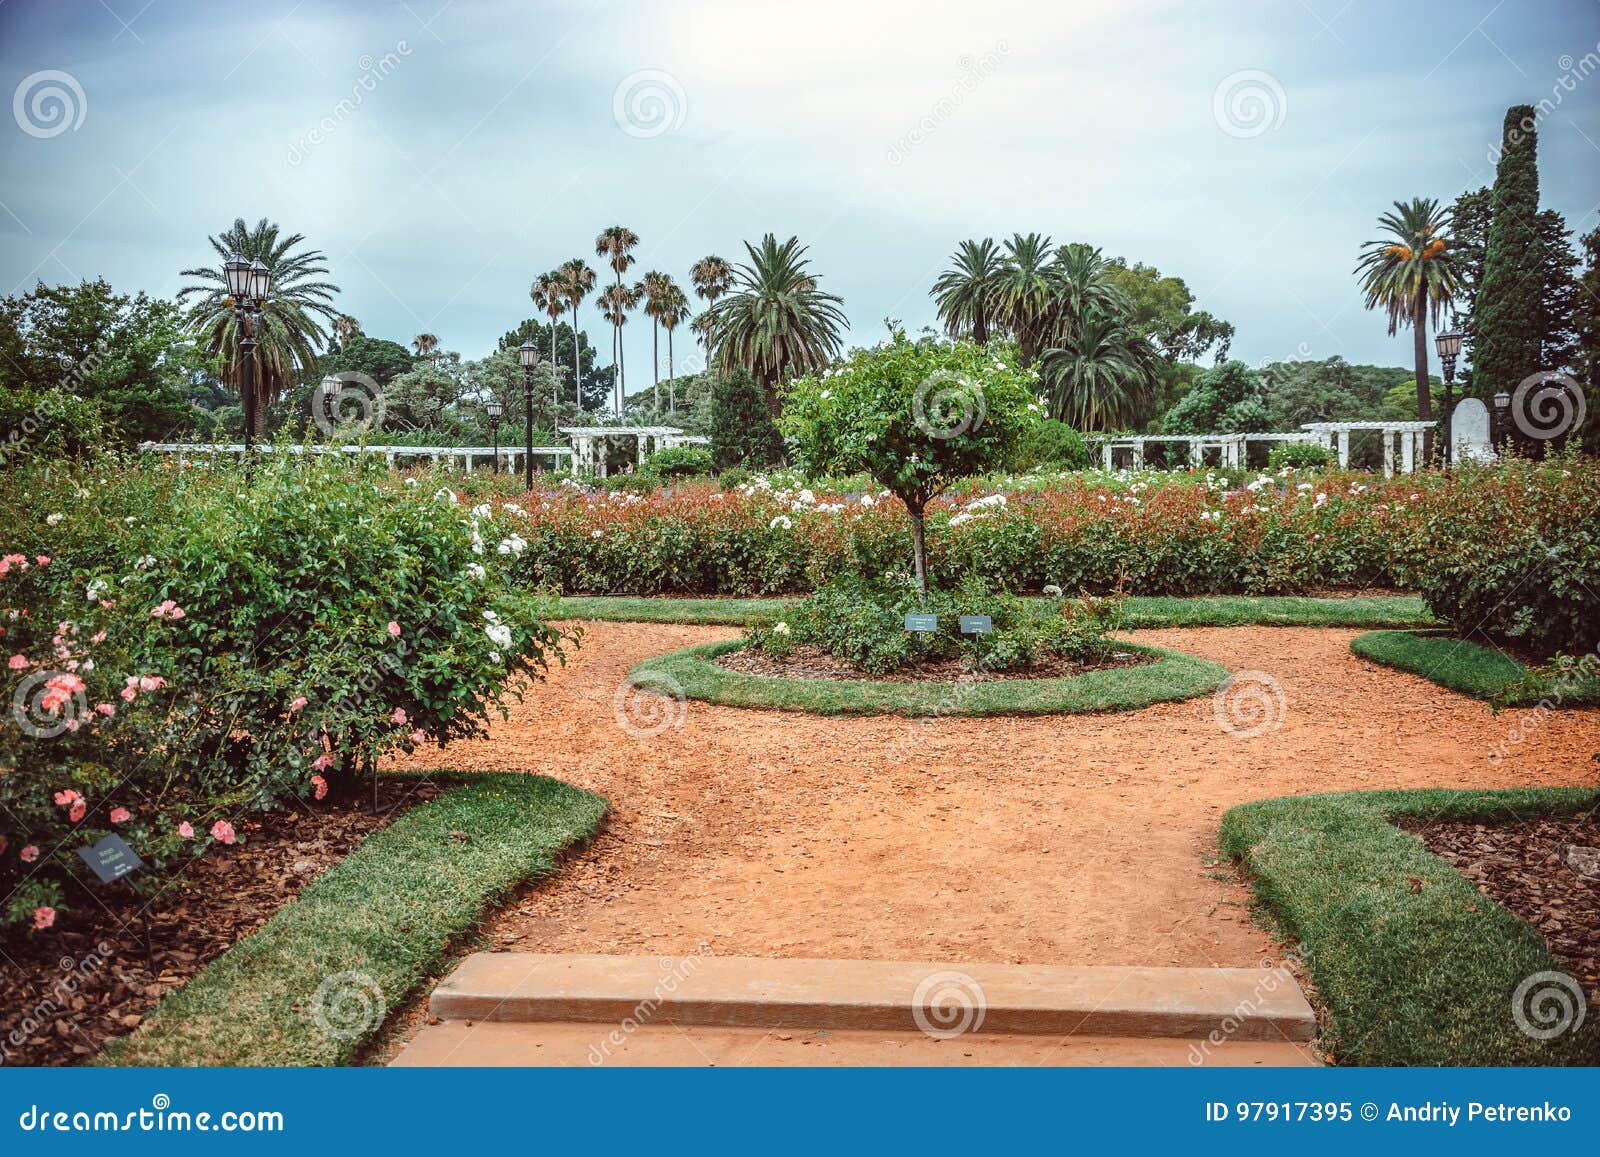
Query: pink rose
[297,703]
[106,709]
[43,918]
[78,811]
[419,736]
[30,853]
[186,830]
[67,797]
[18,662]
[42,560]
[128,693]
[120,815]
[399,717]
[323,761]
[222,832]
[321,785]
[394,629]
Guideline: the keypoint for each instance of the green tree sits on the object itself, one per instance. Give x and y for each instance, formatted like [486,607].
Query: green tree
[916,415]
[616,244]
[1099,373]
[595,381]
[1026,291]
[965,294]
[299,302]
[1507,309]
[378,358]
[577,281]
[741,428]
[774,322]
[1586,337]
[1226,399]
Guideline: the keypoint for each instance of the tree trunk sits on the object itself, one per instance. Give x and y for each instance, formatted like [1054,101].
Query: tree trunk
[672,387]
[919,547]
[555,374]
[577,390]
[980,328]
[655,357]
[1419,326]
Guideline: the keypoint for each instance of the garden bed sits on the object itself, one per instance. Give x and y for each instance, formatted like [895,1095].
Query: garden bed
[1489,673]
[66,995]
[809,662]
[693,673]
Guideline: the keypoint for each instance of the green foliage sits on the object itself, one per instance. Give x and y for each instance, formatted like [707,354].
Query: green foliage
[734,477]
[742,430]
[378,358]
[1226,399]
[1050,445]
[678,462]
[48,424]
[1507,310]
[1483,672]
[1300,456]
[596,381]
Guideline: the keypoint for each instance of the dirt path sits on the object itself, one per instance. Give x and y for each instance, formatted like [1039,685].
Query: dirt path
[1061,840]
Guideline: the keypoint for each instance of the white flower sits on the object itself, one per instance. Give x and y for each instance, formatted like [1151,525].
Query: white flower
[516,544]
[499,634]
[1052,590]
[476,570]
[780,628]
[825,395]
[868,500]
[513,507]
[96,589]
[781,522]
[88,665]
[491,616]
[445,494]
[145,563]
[411,481]
[494,656]
[483,510]
[54,519]
[596,533]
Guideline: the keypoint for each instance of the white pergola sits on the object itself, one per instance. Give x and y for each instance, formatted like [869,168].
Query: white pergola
[463,456]
[1230,447]
[1408,435]
[591,444]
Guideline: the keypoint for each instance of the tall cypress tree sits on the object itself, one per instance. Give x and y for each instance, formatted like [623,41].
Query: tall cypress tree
[1507,311]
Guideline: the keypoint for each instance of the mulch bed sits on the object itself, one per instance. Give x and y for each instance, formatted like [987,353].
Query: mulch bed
[65,993]
[808,662]
[1533,871]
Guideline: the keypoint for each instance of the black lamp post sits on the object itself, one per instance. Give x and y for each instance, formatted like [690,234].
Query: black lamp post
[248,283]
[327,393]
[528,355]
[1502,403]
[1449,346]
[495,409]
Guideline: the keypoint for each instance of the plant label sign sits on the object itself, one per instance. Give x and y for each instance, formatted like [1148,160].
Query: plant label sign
[111,858]
[922,623]
[976,624]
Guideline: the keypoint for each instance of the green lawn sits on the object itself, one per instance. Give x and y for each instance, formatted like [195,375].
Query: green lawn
[1413,965]
[1475,670]
[691,671]
[368,932]
[1218,611]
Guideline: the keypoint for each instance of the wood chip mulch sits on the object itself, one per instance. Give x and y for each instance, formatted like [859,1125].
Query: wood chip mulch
[66,992]
[1546,871]
[809,662]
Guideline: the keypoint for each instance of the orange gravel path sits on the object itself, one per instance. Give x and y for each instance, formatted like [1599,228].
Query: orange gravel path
[1061,840]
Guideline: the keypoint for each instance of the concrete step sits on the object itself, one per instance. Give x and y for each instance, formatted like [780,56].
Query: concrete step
[460,1044]
[1234,1004]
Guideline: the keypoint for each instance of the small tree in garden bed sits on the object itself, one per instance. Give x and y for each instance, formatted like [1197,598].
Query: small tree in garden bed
[916,416]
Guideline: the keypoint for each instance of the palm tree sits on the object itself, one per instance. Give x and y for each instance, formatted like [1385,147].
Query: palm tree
[425,344]
[1082,277]
[775,322]
[616,244]
[1412,275]
[654,288]
[290,332]
[1100,373]
[965,293]
[577,280]
[712,276]
[615,301]
[346,327]
[1025,289]
[549,293]
[674,312]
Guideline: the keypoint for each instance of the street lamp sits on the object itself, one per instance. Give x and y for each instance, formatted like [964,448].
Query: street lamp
[327,395]
[495,409]
[528,355]
[1502,403]
[1449,346]
[248,284]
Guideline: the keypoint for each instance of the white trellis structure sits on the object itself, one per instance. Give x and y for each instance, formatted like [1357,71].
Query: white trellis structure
[591,445]
[461,457]
[1404,436]
[1402,444]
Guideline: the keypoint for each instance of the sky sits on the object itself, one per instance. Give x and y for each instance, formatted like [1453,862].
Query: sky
[443,152]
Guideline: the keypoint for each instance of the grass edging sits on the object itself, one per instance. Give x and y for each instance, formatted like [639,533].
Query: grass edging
[1142,611]
[315,982]
[1413,965]
[690,673]
[1472,669]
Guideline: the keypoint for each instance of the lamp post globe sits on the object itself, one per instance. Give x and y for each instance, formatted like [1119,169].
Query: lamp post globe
[1449,346]
[495,408]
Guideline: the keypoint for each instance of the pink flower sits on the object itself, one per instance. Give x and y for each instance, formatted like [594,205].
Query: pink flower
[42,559]
[323,761]
[72,725]
[98,637]
[399,717]
[43,918]
[167,610]
[67,798]
[297,703]
[151,682]
[222,832]
[106,709]
[18,662]
[186,830]
[30,853]
[394,629]
[419,736]
[320,784]
[128,693]
[77,811]
[120,815]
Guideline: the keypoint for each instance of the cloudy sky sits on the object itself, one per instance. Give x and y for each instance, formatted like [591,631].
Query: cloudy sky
[442,152]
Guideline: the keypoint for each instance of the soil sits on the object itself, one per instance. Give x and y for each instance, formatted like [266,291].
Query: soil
[809,662]
[63,996]
[1072,839]
[1532,869]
